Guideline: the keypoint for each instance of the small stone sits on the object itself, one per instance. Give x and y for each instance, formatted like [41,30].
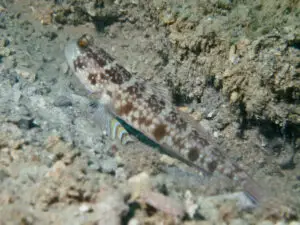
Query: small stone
[26,123]
[167,160]
[139,183]
[211,114]
[142,178]
[90,8]
[26,73]
[134,221]
[190,205]
[216,134]
[84,208]
[62,101]
[234,97]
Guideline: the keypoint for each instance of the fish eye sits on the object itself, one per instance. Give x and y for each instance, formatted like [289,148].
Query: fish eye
[84,41]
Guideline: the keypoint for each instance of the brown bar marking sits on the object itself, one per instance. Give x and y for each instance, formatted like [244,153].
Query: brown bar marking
[160,131]
[143,120]
[125,109]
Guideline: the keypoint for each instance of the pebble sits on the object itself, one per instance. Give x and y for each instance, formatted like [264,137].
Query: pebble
[190,206]
[26,123]
[26,73]
[84,208]
[167,160]
[134,221]
[140,180]
[62,101]
[211,114]
[234,97]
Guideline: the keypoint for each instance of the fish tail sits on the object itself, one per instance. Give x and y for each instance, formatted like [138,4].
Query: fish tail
[254,191]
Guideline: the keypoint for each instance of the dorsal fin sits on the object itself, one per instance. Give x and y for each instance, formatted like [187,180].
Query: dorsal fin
[159,90]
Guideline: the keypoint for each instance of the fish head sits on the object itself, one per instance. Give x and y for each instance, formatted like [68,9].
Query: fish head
[94,67]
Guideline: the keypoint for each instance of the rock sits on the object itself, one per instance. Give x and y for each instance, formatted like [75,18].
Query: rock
[26,123]
[190,205]
[62,101]
[26,73]
[84,208]
[134,221]
[234,97]
[139,182]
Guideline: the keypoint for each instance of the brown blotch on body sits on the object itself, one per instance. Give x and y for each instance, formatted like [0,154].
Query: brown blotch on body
[100,58]
[118,74]
[103,76]
[143,120]
[193,154]
[136,89]
[92,77]
[125,109]
[160,131]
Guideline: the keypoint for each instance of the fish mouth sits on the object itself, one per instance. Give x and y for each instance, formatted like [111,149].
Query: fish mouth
[72,51]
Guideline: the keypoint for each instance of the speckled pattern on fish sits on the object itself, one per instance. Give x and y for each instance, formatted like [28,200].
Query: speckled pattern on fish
[149,109]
